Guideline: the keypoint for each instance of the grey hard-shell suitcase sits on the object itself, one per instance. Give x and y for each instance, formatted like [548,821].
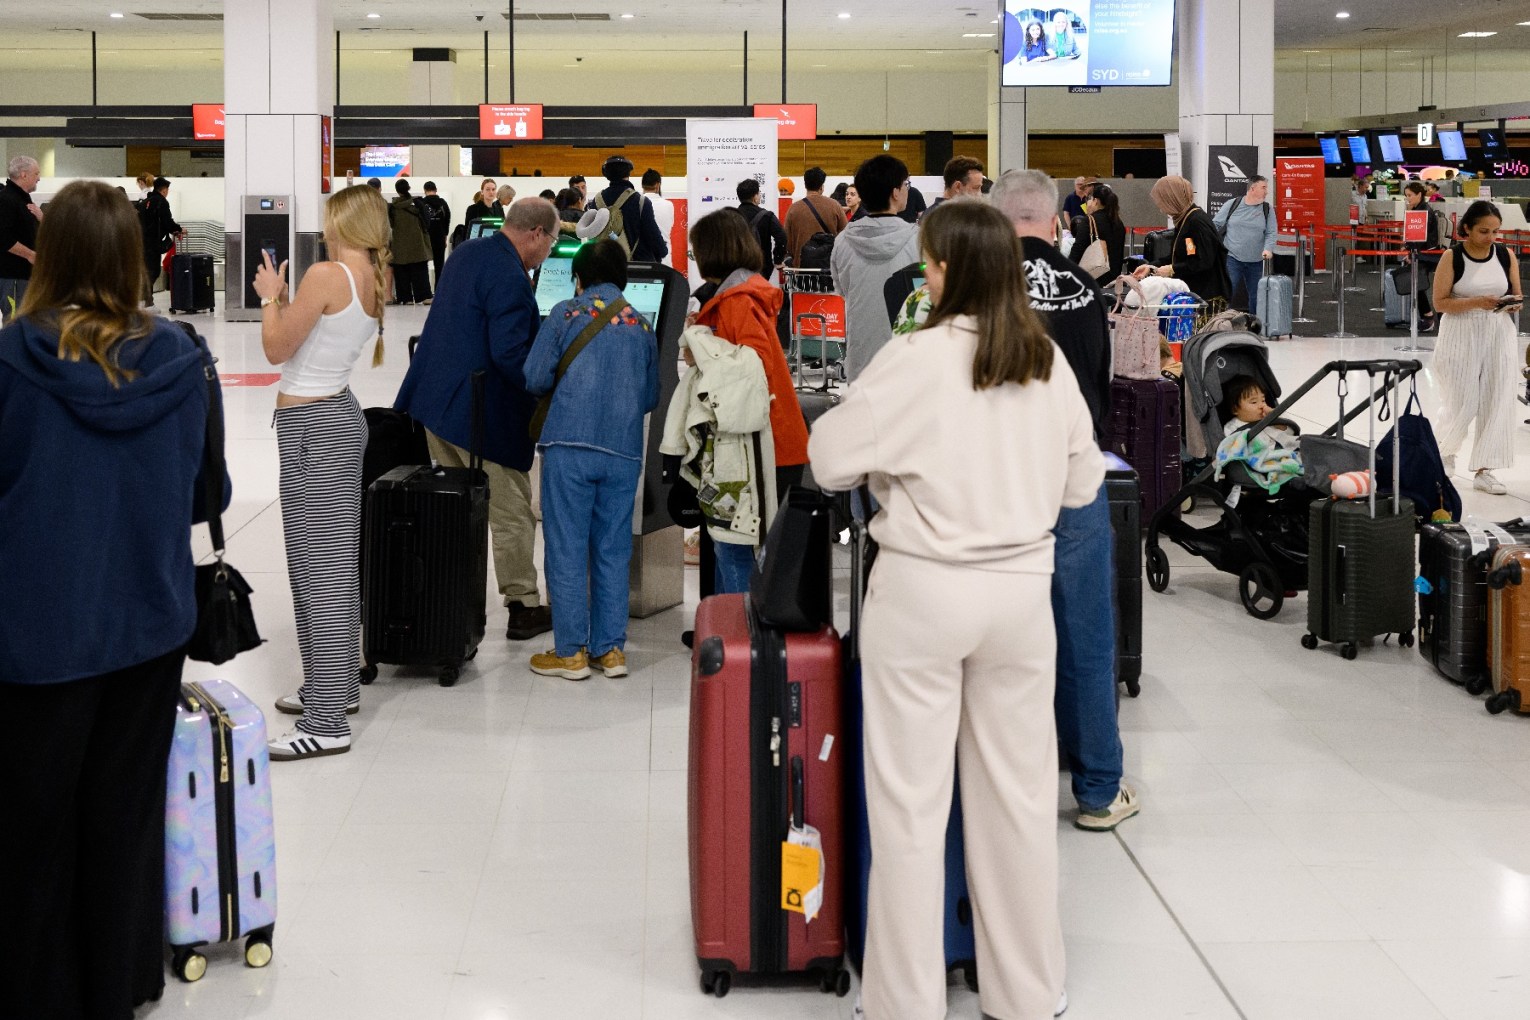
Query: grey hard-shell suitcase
[1275,296]
[1453,563]
[1360,563]
[1395,305]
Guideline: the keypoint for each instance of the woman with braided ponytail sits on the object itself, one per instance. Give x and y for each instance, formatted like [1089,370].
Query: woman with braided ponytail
[321,434]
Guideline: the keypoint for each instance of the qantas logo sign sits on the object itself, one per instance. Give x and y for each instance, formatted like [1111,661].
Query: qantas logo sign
[1230,170]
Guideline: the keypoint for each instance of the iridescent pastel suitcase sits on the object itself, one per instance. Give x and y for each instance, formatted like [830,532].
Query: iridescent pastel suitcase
[220,850]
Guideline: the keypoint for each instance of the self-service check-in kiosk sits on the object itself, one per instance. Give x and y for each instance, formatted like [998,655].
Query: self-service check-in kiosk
[265,226]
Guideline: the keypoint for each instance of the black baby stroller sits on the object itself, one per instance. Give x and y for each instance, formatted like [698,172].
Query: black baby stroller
[1259,537]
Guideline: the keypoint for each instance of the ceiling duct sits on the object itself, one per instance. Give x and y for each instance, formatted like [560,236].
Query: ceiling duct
[173,16]
[555,16]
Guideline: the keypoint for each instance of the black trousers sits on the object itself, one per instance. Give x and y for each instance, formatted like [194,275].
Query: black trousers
[82,842]
[154,264]
[438,253]
[411,282]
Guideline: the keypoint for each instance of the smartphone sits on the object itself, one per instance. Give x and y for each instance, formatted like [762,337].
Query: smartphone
[270,250]
[1510,301]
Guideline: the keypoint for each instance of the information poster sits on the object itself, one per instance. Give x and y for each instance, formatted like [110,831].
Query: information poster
[722,152]
[1229,168]
[326,152]
[1299,200]
[1088,42]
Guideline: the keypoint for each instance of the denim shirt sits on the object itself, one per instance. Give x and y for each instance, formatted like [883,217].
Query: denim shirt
[608,388]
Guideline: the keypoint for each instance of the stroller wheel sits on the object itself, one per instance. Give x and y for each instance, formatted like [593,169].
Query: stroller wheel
[1157,568]
[1261,591]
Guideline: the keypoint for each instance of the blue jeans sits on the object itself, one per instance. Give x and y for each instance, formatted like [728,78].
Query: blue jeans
[734,565]
[1247,275]
[1083,585]
[587,499]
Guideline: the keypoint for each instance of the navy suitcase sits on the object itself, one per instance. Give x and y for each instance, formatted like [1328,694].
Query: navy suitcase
[961,943]
[191,283]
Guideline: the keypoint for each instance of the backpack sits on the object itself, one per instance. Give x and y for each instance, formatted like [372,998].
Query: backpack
[617,228]
[817,250]
[1422,476]
[148,222]
[1442,227]
[758,225]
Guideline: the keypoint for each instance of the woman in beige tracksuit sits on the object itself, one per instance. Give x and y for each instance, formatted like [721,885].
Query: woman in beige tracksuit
[973,435]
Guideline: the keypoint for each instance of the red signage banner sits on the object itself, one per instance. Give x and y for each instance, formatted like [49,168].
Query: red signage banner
[1299,199]
[207,122]
[1416,226]
[830,306]
[501,123]
[795,122]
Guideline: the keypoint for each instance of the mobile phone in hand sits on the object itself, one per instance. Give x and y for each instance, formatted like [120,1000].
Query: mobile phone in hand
[1510,301]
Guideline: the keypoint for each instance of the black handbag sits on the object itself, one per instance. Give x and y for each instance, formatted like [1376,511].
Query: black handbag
[792,585]
[225,618]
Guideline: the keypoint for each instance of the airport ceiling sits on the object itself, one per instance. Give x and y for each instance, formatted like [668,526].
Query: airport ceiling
[879,34]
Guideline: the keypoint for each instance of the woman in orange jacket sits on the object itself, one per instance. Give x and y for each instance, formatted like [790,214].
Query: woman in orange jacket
[743,311]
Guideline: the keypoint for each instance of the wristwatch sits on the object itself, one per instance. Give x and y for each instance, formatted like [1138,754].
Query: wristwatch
[269,301]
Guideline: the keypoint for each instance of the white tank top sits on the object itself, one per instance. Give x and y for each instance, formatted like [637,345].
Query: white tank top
[1480,279]
[322,366]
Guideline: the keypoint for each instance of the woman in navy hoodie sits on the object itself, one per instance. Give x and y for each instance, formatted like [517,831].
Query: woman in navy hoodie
[102,416]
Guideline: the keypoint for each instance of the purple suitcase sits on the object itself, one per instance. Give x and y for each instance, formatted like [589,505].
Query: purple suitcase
[1143,429]
[220,850]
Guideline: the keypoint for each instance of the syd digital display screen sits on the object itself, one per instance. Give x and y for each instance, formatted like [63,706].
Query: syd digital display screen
[1452,146]
[1088,42]
[1391,148]
[1359,149]
[1331,153]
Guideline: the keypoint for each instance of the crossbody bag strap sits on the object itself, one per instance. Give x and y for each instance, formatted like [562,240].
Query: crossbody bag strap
[213,466]
[598,323]
[809,203]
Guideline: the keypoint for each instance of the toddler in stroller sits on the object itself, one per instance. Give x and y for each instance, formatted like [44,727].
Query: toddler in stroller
[1254,484]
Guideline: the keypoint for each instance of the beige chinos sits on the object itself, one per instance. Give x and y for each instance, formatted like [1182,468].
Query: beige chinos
[960,658]
[512,525]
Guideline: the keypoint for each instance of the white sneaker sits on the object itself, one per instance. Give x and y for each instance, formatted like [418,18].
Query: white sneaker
[1450,464]
[859,1012]
[1062,1004]
[1485,482]
[296,744]
[1123,807]
[292,704]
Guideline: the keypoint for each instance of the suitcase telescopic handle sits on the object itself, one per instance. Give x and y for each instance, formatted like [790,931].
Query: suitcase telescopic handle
[477,451]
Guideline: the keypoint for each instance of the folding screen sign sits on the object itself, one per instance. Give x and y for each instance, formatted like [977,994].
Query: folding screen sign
[502,123]
[796,122]
[207,122]
[1416,226]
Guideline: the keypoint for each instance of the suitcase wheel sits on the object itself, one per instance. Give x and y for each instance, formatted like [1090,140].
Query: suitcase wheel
[1133,688]
[1502,701]
[1350,650]
[368,674]
[1405,639]
[836,982]
[449,675]
[716,982]
[1309,641]
[1475,684]
[257,951]
[189,965]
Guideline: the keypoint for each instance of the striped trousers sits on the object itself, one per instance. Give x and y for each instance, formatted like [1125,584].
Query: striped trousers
[1476,366]
[321,445]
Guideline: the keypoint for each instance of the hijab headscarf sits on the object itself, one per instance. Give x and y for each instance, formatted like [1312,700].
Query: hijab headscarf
[1174,196]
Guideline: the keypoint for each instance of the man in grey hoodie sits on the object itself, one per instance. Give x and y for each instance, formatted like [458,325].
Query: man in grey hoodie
[869,251]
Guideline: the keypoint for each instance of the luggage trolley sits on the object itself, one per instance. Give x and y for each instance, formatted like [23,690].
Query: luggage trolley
[816,317]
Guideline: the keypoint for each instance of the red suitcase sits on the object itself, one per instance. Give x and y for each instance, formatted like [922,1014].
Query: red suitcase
[765,755]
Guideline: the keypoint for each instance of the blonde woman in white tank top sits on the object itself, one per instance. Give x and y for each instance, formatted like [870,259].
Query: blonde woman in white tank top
[322,434]
[1476,354]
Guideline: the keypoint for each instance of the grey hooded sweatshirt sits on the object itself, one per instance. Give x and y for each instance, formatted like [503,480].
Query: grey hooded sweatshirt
[865,255]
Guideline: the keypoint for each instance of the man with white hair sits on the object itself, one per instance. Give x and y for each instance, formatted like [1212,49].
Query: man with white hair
[19,217]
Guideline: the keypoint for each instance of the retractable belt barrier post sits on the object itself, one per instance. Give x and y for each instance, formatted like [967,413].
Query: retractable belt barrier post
[1413,346]
[1340,334]
[1301,279]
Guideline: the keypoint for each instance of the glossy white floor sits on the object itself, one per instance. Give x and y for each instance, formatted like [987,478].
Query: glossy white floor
[1319,839]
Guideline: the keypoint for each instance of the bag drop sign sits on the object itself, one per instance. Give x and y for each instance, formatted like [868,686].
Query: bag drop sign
[500,123]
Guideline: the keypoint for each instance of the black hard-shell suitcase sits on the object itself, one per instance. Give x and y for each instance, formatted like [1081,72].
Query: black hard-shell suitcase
[1158,246]
[1360,563]
[1453,561]
[1143,428]
[191,283]
[425,564]
[1121,491]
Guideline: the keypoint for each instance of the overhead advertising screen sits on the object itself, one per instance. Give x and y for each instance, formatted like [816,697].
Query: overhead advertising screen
[1359,149]
[1088,42]
[384,160]
[795,122]
[207,122]
[1391,148]
[1494,144]
[1452,146]
[1331,154]
[500,123]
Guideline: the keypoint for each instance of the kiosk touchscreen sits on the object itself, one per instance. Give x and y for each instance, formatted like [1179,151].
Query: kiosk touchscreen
[485,226]
[554,283]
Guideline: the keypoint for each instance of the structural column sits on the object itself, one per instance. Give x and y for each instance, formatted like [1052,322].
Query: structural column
[1226,82]
[432,82]
[1006,125]
[279,80]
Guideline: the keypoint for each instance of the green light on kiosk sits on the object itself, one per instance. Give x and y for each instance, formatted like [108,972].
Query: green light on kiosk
[566,247]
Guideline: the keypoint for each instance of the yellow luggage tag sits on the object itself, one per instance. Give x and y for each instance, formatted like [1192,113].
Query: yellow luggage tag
[802,871]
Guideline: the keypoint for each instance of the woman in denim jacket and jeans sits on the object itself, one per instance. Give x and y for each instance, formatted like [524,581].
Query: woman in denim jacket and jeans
[592,456]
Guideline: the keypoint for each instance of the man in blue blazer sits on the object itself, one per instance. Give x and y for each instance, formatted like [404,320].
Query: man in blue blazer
[485,317]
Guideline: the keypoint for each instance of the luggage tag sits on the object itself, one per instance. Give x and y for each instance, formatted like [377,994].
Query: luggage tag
[802,871]
[1234,497]
[1477,534]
